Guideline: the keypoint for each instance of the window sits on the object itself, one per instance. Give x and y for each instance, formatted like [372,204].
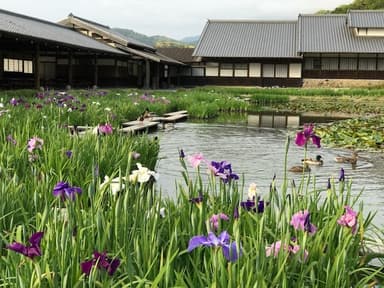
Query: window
[197,71]
[18,65]
[367,64]
[348,64]
[269,70]
[281,70]
[330,63]
[294,70]
[212,69]
[226,70]
[241,70]
[254,69]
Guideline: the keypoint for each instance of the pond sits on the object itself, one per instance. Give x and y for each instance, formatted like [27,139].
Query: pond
[257,154]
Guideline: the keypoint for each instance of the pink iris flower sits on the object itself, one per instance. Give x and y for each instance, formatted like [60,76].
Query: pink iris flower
[275,248]
[302,137]
[35,143]
[106,129]
[196,159]
[349,219]
[301,220]
[215,220]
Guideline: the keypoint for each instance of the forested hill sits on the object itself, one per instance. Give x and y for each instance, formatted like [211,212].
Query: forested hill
[356,5]
[155,41]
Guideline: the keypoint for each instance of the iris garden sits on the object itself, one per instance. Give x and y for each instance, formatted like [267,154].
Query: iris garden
[79,211]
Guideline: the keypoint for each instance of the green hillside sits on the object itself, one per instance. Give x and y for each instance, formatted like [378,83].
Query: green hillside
[356,5]
[155,41]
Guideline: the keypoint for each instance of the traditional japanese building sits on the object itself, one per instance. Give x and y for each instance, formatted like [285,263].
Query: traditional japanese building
[283,53]
[149,67]
[35,53]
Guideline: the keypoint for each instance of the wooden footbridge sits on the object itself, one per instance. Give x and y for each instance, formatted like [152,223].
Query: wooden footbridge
[135,127]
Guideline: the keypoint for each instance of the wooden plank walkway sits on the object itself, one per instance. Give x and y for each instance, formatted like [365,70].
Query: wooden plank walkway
[136,126]
[176,113]
[144,126]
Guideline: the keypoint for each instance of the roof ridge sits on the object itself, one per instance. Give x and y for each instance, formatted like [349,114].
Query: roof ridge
[252,21]
[89,21]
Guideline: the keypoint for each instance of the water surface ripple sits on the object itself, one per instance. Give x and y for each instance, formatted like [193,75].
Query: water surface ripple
[258,153]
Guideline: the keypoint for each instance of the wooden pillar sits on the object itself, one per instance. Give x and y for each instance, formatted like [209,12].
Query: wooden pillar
[139,74]
[156,75]
[147,81]
[116,73]
[70,69]
[96,72]
[1,66]
[37,66]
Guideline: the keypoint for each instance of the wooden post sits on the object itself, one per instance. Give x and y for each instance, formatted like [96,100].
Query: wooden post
[147,82]
[1,66]
[156,76]
[116,73]
[96,72]
[37,66]
[70,68]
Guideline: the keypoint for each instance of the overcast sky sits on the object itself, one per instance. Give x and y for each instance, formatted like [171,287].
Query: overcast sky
[172,18]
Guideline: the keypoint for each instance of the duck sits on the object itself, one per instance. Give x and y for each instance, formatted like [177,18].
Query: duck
[345,159]
[317,161]
[300,169]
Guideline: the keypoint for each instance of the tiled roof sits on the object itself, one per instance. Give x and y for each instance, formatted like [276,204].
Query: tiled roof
[39,29]
[180,54]
[330,34]
[248,39]
[366,18]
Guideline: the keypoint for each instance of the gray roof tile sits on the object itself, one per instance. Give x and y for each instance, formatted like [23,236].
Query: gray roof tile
[39,29]
[330,34]
[366,18]
[247,39]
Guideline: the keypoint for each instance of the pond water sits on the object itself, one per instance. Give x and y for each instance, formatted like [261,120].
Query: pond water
[256,154]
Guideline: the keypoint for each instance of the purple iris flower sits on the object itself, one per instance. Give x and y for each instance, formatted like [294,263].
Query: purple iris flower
[250,205]
[329,184]
[197,200]
[102,262]
[11,139]
[63,190]
[30,251]
[303,137]
[181,153]
[68,153]
[223,169]
[229,249]
[342,175]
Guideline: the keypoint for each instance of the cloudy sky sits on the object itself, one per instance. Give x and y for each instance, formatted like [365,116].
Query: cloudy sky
[172,18]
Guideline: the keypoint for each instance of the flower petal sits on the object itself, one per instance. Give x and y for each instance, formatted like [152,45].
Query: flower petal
[197,241]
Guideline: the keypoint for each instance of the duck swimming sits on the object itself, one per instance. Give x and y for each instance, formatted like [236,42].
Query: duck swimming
[344,159]
[298,169]
[310,161]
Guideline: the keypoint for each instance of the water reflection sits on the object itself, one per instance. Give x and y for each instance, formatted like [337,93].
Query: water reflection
[258,153]
[287,120]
